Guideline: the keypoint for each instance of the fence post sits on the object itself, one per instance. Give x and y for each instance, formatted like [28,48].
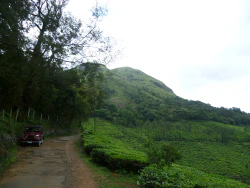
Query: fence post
[17,113]
[41,116]
[28,113]
[3,114]
[33,114]
[10,118]
[48,118]
[94,124]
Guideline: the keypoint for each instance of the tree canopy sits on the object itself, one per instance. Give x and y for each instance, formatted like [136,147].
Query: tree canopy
[40,43]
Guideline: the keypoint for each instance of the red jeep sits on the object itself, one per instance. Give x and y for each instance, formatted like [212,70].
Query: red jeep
[33,135]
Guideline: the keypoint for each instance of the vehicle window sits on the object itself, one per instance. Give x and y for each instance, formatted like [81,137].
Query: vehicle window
[32,129]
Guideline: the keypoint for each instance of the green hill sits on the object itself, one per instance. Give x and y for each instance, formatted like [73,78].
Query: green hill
[214,140]
[126,82]
[133,95]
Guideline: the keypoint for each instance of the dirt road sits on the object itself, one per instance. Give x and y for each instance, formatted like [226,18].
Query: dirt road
[54,164]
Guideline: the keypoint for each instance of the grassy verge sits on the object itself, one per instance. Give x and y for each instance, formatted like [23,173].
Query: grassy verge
[9,158]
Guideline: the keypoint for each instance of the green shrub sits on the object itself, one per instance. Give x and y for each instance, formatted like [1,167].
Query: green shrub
[116,160]
[155,176]
[163,153]
[88,148]
[152,176]
[98,156]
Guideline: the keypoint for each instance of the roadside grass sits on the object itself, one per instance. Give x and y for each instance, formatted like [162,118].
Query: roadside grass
[8,159]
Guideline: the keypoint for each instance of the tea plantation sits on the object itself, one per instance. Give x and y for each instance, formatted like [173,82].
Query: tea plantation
[203,164]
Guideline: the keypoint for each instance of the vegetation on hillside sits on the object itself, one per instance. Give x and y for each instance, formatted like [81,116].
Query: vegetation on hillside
[132,96]
[115,145]
[214,140]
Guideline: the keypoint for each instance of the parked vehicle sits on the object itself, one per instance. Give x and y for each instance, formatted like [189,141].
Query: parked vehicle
[33,135]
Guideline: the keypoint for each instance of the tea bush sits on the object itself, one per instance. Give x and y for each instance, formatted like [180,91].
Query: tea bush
[157,177]
[120,148]
[115,160]
[162,153]
[116,154]
[154,176]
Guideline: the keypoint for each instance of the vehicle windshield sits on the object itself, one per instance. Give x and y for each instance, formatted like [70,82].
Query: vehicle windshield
[33,129]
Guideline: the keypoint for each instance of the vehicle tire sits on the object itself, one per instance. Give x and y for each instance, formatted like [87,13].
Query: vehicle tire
[39,143]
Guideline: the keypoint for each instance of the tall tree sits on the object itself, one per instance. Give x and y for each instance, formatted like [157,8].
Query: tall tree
[48,40]
[59,40]
[12,59]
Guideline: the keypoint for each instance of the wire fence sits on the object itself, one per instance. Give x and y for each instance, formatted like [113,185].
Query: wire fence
[29,115]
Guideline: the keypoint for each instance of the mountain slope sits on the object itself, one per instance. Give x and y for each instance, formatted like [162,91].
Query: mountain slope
[139,78]
[214,140]
[132,95]
[127,82]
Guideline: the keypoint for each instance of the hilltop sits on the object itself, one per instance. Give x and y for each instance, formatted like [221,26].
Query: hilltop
[137,95]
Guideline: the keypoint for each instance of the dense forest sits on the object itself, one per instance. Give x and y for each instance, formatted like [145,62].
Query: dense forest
[40,43]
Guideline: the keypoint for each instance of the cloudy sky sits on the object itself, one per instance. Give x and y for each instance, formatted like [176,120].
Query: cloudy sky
[198,48]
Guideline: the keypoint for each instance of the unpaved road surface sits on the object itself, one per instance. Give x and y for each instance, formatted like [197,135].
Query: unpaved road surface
[54,164]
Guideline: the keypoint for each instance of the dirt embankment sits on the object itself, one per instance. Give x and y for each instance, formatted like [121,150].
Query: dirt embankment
[55,163]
